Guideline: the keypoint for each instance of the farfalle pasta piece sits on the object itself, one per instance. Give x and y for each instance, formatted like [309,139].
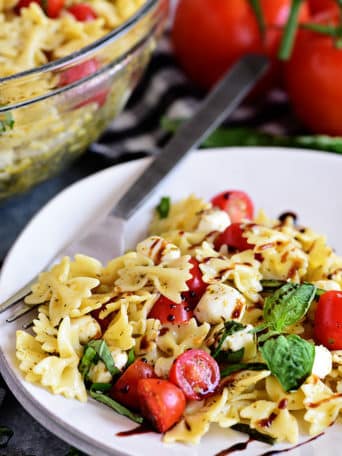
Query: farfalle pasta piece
[85,266]
[189,242]
[168,279]
[159,250]
[45,332]
[268,418]
[146,344]
[183,215]
[294,400]
[119,332]
[242,269]
[30,353]
[64,294]
[194,425]
[242,381]
[322,405]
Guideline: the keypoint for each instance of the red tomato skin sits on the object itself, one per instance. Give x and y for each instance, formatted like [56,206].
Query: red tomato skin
[168,311]
[210,35]
[161,402]
[232,236]
[196,285]
[312,79]
[319,6]
[82,12]
[125,390]
[328,320]
[196,373]
[53,7]
[236,203]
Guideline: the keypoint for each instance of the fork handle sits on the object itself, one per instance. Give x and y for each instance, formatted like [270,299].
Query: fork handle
[18,296]
[219,104]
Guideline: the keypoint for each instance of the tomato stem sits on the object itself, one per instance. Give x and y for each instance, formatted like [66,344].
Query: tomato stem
[290,31]
[256,7]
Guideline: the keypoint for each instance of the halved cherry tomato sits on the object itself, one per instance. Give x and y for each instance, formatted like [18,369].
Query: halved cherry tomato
[236,203]
[319,6]
[52,8]
[161,402]
[232,236]
[82,12]
[168,311]
[125,390]
[196,285]
[328,320]
[196,373]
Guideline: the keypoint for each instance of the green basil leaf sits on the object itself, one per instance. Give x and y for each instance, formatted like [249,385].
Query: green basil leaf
[131,357]
[290,358]
[104,355]
[272,284]
[243,366]
[256,435]
[116,406]
[232,357]
[288,305]
[230,327]
[88,359]
[5,436]
[6,122]
[163,207]
[100,387]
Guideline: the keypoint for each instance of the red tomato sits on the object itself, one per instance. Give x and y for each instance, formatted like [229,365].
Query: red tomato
[318,6]
[312,78]
[196,285]
[210,35]
[328,320]
[196,373]
[125,390]
[82,12]
[52,8]
[168,311]
[161,402]
[232,236]
[103,322]
[236,203]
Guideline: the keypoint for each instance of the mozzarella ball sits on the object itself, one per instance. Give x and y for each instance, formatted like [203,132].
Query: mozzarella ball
[158,249]
[120,358]
[213,220]
[323,362]
[220,303]
[87,327]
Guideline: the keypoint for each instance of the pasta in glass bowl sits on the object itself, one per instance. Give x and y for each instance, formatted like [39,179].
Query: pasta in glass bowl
[62,80]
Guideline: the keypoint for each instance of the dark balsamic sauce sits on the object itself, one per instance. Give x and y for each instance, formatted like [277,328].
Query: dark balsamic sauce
[272,452]
[237,447]
[143,429]
[283,217]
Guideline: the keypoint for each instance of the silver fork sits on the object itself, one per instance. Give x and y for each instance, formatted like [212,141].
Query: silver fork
[218,105]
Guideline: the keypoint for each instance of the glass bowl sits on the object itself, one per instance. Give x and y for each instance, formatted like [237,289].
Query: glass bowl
[46,120]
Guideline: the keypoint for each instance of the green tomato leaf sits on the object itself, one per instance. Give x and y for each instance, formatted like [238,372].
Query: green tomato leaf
[230,327]
[290,358]
[163,207]
[288,305]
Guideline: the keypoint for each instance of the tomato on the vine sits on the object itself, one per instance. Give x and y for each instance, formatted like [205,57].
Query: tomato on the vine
[196,373]
[233,236]
[236,203]
[210,35]
[52,8]
[328,320]
[313,82]
[161,402]
[125,390]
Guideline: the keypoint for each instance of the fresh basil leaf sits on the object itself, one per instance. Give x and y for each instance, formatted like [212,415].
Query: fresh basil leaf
[290,358]
[242,366]
[5,436]
[6,122]
[89,358]
[288,305]
[230,327]
[256,435]
[130,358]
[117,407]
[100,387]
[233,357]
[272,284]
[163,207]
[259,15]
[104,355]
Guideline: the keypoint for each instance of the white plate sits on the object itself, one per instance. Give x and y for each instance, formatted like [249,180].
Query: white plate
[308,183]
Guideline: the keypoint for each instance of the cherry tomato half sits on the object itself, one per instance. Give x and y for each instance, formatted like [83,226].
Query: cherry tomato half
[161,402]
[328,320]
[319,6]
[125,390]
[82,12]
[236,203]
[168,311]
[196,373]
[233,236]
[52,8]
[196,285]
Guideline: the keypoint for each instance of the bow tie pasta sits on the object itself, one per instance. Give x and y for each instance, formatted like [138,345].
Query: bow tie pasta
[222,316]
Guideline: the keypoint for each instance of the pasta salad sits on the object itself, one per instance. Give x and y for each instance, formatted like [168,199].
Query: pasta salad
[219,316]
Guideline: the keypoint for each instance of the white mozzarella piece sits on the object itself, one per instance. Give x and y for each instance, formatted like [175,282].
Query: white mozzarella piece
[323,362]
[213,220]
[219,303]
[158,249]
